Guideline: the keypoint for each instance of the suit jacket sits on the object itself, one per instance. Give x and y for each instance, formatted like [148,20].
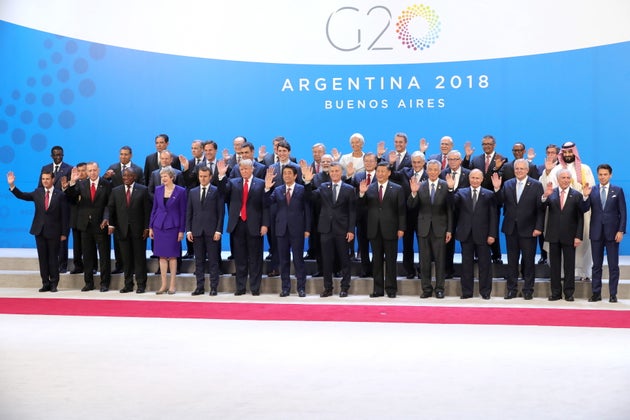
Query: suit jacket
[390,215]
[563,226]
[130,220]
[478,223]
[293,218]
[463,177]
[152,162]
[438,157]
[479,162]
[322,177]
[205,218]
[507,171]
[64,170]
[337,218]
[607,221]
[88,211]
[529,214]
[278,178]
[404,163]
[355,180]
[117,180]
[169,215]
[403,176]
[50,223]
[156,180]
[257,212]
[436,217]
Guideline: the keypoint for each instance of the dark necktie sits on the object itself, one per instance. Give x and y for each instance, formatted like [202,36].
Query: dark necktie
[203,195]
[128,195]
[288,196]
[432,191]
[474,198]
[369,179]
[380,193]
[335,193]
[93,191]
[47,200]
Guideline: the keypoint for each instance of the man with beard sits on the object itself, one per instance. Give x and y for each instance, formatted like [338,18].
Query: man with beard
[581,175]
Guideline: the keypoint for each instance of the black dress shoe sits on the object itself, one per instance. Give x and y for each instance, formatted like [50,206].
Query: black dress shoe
[87,288]
[126,290]
[53,288]
[230,257]
[198,291]
[158,272]
[104,289]
[595,298]
[391,295]
[485,297]
[309,257]
[554,298]
[239,292]
[542,261]
[117,270]
[343,293]
[140,290]
[497,261]
[44,289]
[465,296]
[439,294]
[375,295]
[528,296]
[317,274]
[188,256]
[284,293]
[301,293]
[613,299]
[268,257]
[326,293]
[273,273]
[511,294]
[411,276]
[255,292]
[569,298]
[213,292]
[63,270]
[77,271]
[426,295]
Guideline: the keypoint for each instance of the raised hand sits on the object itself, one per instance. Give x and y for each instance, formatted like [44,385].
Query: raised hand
[226,155]
[222,168]
[269,178]
[496,181]
[392,157]
[424,145]
[335,154]
[363,186]
[349,169]
[450,181]
[468,149]
[531,154]
[262,152]
[108,174]
[586,190]
[11,179]
[183,162]
[307,172]
[303,164]
[74,175]
[380,149]
[499,160]
[548,189]
[64,182]
[414,184]
[550,163]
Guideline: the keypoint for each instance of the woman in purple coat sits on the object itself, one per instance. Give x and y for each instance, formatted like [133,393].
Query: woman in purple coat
[167,225]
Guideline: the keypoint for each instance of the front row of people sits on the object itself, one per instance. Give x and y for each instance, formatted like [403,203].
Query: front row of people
[254,206]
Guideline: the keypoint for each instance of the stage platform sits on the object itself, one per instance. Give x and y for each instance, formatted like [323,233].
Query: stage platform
[19,269]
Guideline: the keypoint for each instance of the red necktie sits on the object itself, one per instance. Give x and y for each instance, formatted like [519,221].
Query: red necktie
[288,196]
[128,195]
[443,161]
[244,200]
[380,193]
[561,199]
[369,179]
[487,163]
[47,200]
[93,191]
[317,168]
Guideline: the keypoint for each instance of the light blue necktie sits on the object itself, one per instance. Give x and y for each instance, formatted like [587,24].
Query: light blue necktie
[603,195]
[519,190]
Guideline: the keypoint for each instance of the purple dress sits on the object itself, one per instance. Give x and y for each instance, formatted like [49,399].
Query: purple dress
[168,218]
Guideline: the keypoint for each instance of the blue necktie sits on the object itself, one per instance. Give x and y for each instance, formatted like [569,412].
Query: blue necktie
[432,192]
[603,196]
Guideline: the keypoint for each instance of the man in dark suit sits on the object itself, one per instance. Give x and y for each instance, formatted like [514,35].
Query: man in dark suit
[77,247]
[92,197]
[399,158]
[565,229]
[488,163]
[291,223]
[114,175]
[402,177]
[356,179]
[446,146]
[507,169]
[386,223]
[551,160]
[129,212]
[166,157]
[152,161]
[248,219]
[336,201]
[435,226]
[314,241]
[204,226]
[191,180]
[314,249]
[59,169]
[49,226]
[608,225]
[477,228]
[523,223]
[247,152]
[234,159]
[269,159]
[459,174]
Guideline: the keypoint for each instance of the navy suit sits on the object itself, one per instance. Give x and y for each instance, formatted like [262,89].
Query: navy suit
[520,220]
[131,222]
[152,162]
[48,226]
[563,227]
[605,223]
[362,239]
[290,221]
[90,216]
[384,220]
[434,221]
[335,219]
[248,256]
[474,226]
[203,219]
[463,182]
[64,170]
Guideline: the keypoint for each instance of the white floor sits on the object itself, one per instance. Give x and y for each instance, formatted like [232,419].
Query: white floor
[54,367]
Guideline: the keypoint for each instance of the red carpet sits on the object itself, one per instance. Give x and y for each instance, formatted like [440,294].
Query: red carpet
[339,313]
